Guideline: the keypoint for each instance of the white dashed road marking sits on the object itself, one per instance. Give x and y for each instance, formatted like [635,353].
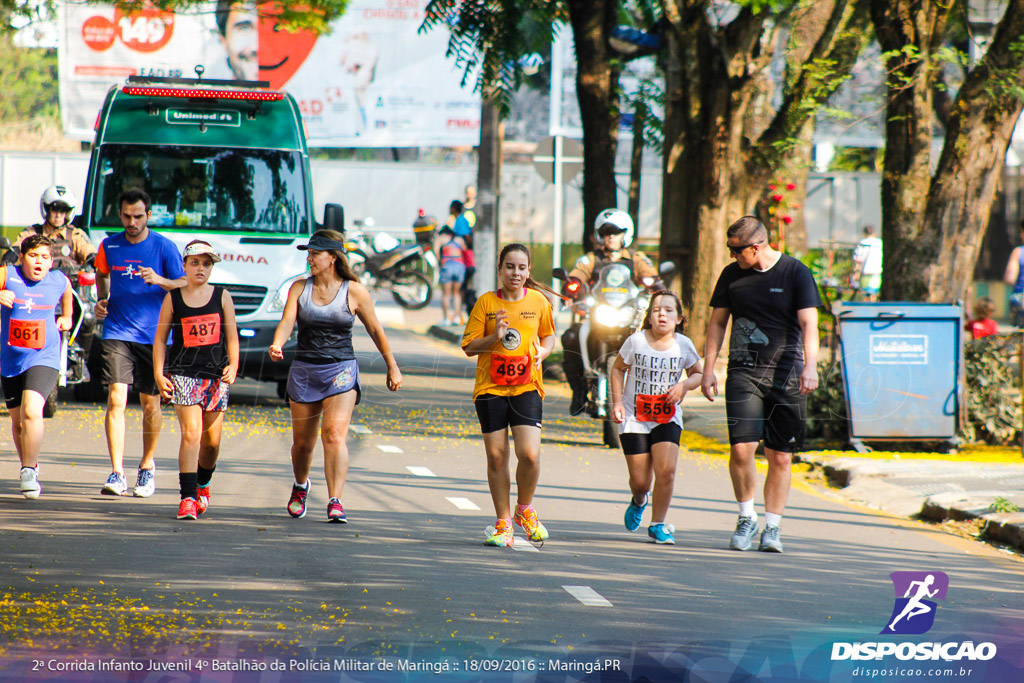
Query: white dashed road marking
[360,429]
[388,448]
[522,545]
[588,596]
[463,503]
[421,471]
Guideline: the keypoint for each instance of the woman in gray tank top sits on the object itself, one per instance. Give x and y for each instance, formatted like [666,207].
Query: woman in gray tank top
[324,378]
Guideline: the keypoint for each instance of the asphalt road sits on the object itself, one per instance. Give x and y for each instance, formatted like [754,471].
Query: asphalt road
[408,580]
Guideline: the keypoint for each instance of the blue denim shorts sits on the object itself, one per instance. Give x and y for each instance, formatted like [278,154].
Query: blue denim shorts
[452,271]
[309,383]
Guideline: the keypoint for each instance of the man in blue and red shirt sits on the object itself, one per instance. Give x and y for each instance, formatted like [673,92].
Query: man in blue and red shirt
[136,269]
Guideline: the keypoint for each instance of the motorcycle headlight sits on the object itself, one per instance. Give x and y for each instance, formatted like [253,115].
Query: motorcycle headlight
[281,295]
[609,316]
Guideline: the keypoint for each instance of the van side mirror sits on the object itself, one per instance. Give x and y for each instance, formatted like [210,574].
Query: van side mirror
[334,217]
[666,269]
[5,243]
[560,274]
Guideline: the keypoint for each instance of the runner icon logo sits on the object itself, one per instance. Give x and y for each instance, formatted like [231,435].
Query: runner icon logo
[512,339]
[914,610]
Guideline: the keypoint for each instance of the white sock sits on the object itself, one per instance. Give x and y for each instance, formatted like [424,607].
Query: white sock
[747,509]
[772,519]
[303,486]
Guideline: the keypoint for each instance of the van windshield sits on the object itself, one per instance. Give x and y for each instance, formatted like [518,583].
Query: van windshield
[213,188]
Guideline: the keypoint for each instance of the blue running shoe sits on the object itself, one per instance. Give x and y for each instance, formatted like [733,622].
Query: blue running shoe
[635,513]
[770,540]
[115,485]
[662,533]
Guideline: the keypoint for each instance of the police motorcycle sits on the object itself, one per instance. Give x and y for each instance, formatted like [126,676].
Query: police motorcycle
[73,367]
[608,312]
[384,263]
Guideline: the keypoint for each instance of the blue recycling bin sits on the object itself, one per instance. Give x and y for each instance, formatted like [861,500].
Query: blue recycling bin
[902,370]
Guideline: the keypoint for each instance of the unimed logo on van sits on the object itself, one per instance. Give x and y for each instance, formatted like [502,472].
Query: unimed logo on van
[214,117]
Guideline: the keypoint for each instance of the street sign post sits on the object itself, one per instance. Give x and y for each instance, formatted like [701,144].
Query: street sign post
[558,160]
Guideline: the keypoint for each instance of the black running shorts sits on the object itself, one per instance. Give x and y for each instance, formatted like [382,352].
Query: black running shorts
[500,412]
[130,363]
[37,378]
[761,407]
[635,444]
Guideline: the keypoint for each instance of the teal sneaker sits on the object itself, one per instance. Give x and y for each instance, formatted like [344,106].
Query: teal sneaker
[635,513]
[770,541]
[662,533]
[746,527]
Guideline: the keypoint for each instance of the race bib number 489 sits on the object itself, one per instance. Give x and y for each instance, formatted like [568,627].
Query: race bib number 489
[201,330]
[510,370]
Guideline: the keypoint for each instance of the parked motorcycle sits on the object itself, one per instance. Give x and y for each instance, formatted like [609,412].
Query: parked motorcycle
[75,344]
[384,263]
[612,309]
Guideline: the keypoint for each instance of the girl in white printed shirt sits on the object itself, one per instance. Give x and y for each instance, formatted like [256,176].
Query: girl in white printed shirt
[649,415]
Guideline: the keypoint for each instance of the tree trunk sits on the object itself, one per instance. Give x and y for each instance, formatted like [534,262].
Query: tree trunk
[716,163]
[597,89]
[941,260]
[920,26]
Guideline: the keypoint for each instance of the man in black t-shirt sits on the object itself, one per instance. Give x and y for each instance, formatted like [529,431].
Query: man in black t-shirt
[773,364]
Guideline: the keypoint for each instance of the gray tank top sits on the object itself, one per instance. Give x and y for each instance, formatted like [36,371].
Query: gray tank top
[325,332]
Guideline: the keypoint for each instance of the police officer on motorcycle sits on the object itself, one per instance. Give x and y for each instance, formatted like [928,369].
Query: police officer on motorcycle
[71,246]
[613,233]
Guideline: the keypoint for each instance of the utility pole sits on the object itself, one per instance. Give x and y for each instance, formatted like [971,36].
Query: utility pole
[488,183]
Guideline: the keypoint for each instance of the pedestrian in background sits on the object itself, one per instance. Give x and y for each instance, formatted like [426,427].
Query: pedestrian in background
[450,251]
[511,331]
[30,353]
[1014,277]
[136,268]
[201,364]
[323,382]
[773,364]
[982,325]
[867,261]
[648,412]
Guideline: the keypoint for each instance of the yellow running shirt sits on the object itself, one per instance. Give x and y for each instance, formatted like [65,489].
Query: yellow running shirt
[508,370]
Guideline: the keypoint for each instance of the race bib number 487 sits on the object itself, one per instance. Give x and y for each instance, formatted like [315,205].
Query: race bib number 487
[201,330]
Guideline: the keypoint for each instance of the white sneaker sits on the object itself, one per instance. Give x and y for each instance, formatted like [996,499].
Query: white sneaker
[145,485]
[30,482]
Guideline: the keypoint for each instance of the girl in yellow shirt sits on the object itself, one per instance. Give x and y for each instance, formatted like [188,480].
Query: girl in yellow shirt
[511,332]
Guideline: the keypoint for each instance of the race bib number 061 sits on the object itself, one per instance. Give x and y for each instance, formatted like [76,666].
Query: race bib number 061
[27,334]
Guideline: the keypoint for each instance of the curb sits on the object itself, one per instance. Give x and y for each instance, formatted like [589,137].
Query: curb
[1004,527]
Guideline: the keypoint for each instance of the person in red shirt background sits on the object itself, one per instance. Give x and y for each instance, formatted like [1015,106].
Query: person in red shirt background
[982,325]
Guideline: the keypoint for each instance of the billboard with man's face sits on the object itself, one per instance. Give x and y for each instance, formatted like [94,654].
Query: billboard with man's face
[373,81]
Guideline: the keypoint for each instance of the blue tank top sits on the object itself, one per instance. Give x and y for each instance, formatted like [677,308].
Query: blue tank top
[325,332]
[29,328]
[1018,286]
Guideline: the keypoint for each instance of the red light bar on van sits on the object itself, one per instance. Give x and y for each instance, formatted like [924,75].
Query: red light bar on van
[203,93]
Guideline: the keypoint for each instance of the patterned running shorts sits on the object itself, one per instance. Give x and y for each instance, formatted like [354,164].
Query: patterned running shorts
[210,394]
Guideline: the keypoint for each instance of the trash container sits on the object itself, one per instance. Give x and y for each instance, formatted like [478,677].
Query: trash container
[902,370]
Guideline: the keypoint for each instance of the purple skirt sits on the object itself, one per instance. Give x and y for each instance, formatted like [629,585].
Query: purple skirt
[309,383]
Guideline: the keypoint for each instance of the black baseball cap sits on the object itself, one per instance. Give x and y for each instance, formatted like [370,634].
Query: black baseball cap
[321,243]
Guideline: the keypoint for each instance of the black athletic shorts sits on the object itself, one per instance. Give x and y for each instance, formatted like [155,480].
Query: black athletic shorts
[635,444]
[130,363]
[500,412]
[761,407]
[38,378]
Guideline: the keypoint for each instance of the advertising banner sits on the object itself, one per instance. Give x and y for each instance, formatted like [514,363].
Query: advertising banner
[373,81]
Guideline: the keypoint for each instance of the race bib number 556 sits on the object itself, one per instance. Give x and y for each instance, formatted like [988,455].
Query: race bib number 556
[654,408]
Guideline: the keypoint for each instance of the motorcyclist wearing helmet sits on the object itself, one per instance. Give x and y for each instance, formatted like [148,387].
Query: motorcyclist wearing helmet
[71,246]
[613,233]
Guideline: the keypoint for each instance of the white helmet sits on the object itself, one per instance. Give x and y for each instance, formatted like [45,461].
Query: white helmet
[58,193]
[619,219]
